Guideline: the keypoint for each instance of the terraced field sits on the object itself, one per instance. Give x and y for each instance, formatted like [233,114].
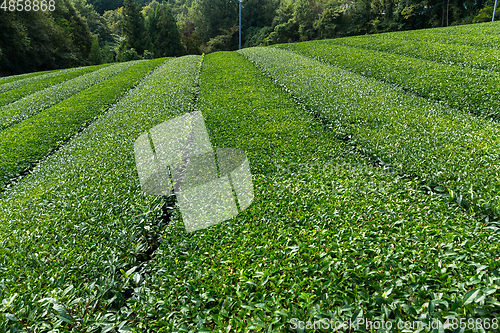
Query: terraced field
[376,179]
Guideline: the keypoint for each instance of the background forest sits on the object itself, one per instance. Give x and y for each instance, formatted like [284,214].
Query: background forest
[83,32]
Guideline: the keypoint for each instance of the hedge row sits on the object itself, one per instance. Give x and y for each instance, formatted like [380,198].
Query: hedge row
[70,232]
[42,99]
[485,28]
[440,145]
[478,35]
[327,236]
[469,89]
[12,78]
[452,54]
[25,143]
[13,91]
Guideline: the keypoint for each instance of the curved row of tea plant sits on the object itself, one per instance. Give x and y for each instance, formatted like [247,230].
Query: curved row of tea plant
[14,81]
[25,143]
[30,105]
[68,260]
[469,89]
[22,88]
[452,54]
[442,146]
[327,235]
[477,35]
[486,28]
[12,78]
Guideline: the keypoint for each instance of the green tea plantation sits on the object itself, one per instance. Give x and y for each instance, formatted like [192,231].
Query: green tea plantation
[375,163]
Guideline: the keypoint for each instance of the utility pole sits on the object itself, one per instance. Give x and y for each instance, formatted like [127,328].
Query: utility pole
[240,1]
[494,11]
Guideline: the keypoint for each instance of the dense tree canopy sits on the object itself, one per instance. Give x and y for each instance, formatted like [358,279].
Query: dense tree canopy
[163,31]
[36,40]
[81,32]
[134,28]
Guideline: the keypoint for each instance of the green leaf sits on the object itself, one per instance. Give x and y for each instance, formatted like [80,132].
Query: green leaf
[65,317]
[489,290]
[431,307]
[137,278]
[11,317]
[470,296]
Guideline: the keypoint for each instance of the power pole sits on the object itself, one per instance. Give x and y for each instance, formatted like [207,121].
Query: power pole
[494,11]
[240,1]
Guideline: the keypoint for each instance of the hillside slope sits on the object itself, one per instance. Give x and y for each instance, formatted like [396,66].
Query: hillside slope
[375,174]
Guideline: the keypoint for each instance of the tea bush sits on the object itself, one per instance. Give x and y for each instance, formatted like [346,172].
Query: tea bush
[451,54]
[327,236]
[442,146]
[13,91]
[25,143]
[68,261]
[30,105]
[469,89]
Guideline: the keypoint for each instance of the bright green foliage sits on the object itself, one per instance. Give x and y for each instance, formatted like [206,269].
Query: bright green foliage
[481,35]
[452,54]
[474,90]
[21,88]
[20,77]
[16,81]
[486,14]
[326,235]
[6,79]
[67,260]
[128,55]
[32,104]
[22,145]
[268,22]
[490,28]
[442,146]
[95,56]
[360,189]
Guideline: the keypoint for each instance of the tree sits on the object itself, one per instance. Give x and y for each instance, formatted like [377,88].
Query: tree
[258,13]
[104,5]
[486,14]
[36,40]
[257,18]
[114,20]
[151,19]
[95,56]
[214,17]
[167,37]
[108,54]
[329,21]
[128,55]
[306,12]
[226,41]
[133,28]
[190,38]
[162,30]
[97,24]
[358,16]
[69,19]
[284,27]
